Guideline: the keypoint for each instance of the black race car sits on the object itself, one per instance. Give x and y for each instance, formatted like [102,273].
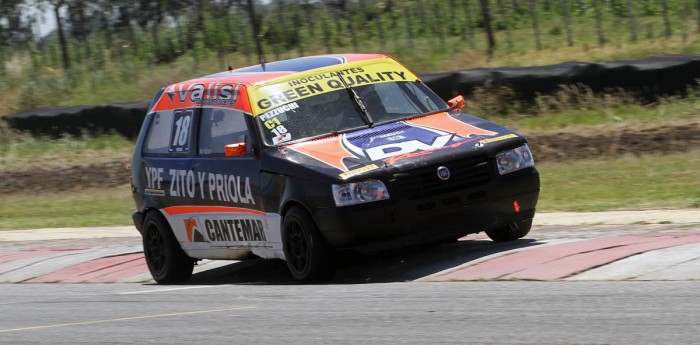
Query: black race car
[297,159]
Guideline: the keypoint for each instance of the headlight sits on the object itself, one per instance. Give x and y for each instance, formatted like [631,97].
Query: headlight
[359,192]
[514,160]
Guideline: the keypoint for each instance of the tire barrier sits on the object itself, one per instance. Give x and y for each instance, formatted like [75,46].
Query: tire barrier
[122,118]
[647,79]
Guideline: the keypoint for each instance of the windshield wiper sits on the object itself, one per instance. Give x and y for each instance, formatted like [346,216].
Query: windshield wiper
[367,117]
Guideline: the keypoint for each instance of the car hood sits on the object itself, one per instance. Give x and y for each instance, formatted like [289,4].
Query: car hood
[393,147]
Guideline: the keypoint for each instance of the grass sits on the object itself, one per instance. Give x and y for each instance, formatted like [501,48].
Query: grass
[24,151]
[644,182]
[631,182]
[628,182]
[94,207]
[576,109]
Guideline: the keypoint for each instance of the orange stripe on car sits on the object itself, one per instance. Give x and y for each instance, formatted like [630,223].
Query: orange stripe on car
[327,150]
[174,210]
[447,123]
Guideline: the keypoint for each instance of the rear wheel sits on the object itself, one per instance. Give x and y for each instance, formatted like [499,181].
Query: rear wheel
[511,232]
[308,256]
[166,260]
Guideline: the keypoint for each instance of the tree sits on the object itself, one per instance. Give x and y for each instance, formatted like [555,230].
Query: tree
[486,13]
[12,29]
[255,21]
[57,5]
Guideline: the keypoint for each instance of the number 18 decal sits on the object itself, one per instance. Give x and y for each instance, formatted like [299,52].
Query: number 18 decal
[180,133]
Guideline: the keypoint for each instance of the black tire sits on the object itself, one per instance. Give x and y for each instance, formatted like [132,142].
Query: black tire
[511,232]
[166,261]
[309,258]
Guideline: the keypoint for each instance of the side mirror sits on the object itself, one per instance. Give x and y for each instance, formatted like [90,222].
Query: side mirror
[456,103]
[235,149]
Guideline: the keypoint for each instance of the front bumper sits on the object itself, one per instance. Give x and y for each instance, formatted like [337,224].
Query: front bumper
[403,221]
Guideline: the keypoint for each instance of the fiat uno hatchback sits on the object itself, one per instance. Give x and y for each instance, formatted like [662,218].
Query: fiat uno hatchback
[301,158]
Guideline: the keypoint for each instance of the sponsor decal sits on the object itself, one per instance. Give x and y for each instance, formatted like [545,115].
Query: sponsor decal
[279,110]
[213,93]
[225,230]
[281,138]
[192,230]
[395,141]
[234,230]
[273,124]
[394,159]
[265,98]
[202,228]
[201,184]
[503,137]
[359,171]
[155,192]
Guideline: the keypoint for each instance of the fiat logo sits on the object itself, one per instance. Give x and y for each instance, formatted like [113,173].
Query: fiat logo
[443,173]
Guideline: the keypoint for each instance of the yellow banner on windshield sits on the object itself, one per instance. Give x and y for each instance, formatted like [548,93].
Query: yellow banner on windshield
[318,81]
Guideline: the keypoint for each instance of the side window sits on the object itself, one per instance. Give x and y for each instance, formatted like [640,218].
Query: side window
[220,127]
[170,132]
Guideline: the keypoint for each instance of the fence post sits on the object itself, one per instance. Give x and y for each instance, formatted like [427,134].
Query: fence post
[380,30]
[567,22]
[667,22]
[535,26]
[326,35]
[632,21]
[242,28]
[599,23]
[697,4]
[470,22]
[485,11]
[506,19]
[309,18]
[409,26]
[353,32]
[437,25]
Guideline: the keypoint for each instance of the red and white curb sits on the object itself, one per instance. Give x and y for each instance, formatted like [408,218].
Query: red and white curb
[648,256]
[571,260]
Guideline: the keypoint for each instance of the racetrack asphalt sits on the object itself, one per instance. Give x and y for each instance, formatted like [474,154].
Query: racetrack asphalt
[621,245]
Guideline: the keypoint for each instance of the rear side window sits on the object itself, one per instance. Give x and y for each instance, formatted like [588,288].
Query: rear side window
[170,132]
[218,128]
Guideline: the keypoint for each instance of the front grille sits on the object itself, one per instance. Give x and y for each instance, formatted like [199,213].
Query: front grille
[424,182]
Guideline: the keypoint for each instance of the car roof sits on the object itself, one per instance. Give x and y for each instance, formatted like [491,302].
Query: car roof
[181,95]
[257,74]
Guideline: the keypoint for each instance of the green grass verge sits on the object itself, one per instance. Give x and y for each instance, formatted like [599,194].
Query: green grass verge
[22,151]
[95,207]
[645,182]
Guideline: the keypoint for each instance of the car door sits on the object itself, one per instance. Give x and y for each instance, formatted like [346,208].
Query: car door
[167,154]
[228,218]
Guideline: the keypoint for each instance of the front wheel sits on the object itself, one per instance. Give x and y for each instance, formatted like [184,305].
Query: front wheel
[308,256]
[166,260]
[511,232]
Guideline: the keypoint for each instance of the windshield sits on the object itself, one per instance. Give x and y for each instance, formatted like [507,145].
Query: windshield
[338,111]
